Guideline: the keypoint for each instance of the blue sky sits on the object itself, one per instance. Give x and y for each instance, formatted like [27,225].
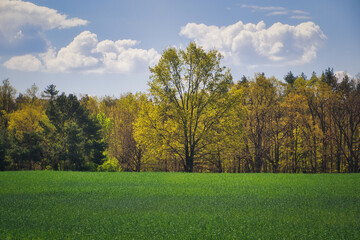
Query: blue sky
[105,47]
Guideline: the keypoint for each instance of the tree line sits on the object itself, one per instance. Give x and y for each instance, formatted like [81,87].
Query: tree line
[194,118]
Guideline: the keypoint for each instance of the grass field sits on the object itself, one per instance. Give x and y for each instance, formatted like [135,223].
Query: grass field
[73,205]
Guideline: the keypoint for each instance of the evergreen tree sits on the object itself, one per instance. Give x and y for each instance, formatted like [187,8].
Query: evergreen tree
[290,78]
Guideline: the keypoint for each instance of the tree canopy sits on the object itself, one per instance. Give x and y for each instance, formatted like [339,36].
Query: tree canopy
[191,91]
[194,118]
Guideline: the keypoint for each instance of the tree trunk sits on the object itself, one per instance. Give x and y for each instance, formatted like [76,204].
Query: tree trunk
[189,164]
[257,163]
[138,159]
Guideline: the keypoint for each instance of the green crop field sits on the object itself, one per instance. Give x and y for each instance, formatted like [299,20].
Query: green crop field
[85,205]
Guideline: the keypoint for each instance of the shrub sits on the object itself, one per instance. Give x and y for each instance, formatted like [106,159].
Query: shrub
[110,165]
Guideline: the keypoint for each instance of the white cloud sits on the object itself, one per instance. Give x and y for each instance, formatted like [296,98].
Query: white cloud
[24,63]
[300,17]
[86,54]
[261,8]
[276,11]
[300,12]
[18,17]
[340,75]
[22,25]
[16,14]
[77,55]
[254,44]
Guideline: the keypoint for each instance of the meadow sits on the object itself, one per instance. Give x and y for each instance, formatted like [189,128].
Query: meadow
[89,205]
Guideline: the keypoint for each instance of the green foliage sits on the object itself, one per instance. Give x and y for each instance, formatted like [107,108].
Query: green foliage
[106,123]
[7,102]
[27,119]
[111,164]
[7,97]
[51,92]
[76,205]
[193,119]
[190,91]
[53,133]
[26,151]
[76,140]
[290,78]
[117,117]
[4,145]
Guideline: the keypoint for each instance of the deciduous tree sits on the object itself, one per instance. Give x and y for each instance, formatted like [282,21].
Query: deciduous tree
[190,88]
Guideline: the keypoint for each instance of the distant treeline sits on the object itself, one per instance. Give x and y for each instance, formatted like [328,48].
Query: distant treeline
[194,118]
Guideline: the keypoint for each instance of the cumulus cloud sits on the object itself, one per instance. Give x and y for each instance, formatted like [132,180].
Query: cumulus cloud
[254,44]
[24,22]
[26,63]
[340,75]
[86,54]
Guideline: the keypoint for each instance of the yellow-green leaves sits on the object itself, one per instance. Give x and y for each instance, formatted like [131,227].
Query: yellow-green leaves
[191,95]
[27,119]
